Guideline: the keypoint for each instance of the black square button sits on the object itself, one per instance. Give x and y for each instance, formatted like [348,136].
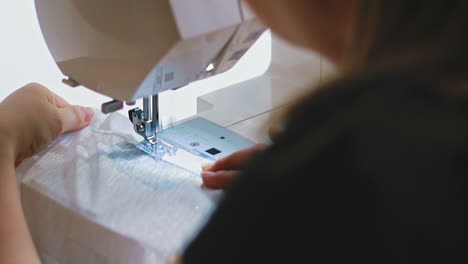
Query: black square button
[213,151]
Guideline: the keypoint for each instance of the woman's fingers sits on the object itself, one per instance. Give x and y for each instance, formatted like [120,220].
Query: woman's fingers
[33,116]
[75,117]
[17,163]
[236,160]
[219,179]
[225,170]
[56,99]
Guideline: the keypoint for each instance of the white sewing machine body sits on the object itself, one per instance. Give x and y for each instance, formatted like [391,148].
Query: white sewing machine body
[129,50]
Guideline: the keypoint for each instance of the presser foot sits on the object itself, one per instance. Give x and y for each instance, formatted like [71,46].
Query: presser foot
[157,149]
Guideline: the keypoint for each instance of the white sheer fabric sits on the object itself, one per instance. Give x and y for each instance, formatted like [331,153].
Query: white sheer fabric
[92,197]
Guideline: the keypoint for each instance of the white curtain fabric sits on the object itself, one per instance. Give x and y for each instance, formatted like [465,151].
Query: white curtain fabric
[92,197]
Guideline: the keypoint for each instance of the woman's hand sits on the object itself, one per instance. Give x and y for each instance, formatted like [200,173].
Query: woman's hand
[219,174]
[33,116]
[30,119]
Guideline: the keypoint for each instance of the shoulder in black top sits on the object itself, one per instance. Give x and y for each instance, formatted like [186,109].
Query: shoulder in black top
[372,170]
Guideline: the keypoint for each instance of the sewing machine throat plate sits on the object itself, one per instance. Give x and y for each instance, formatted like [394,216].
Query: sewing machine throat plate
[204,138]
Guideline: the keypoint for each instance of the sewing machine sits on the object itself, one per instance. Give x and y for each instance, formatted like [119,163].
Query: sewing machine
[129,50]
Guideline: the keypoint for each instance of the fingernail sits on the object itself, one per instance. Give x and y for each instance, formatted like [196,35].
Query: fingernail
[207,166]
[207,174]
[88,113]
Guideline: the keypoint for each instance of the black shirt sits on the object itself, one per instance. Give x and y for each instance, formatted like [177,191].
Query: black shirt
[370,170]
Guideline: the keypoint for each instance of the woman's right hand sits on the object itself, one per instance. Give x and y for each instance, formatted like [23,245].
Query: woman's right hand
[219,174]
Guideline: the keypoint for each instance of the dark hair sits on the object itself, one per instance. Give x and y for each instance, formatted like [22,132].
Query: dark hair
[400,33]
[430,37]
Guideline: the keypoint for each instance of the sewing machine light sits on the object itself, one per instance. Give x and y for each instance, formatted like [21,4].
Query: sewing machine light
[210,67]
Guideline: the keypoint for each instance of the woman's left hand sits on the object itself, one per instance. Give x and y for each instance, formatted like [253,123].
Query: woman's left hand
[33,116]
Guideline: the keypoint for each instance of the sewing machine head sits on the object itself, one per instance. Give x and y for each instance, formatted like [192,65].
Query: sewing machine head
[136,49]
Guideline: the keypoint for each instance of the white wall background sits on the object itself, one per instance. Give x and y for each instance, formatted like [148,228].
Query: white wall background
[24,58]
